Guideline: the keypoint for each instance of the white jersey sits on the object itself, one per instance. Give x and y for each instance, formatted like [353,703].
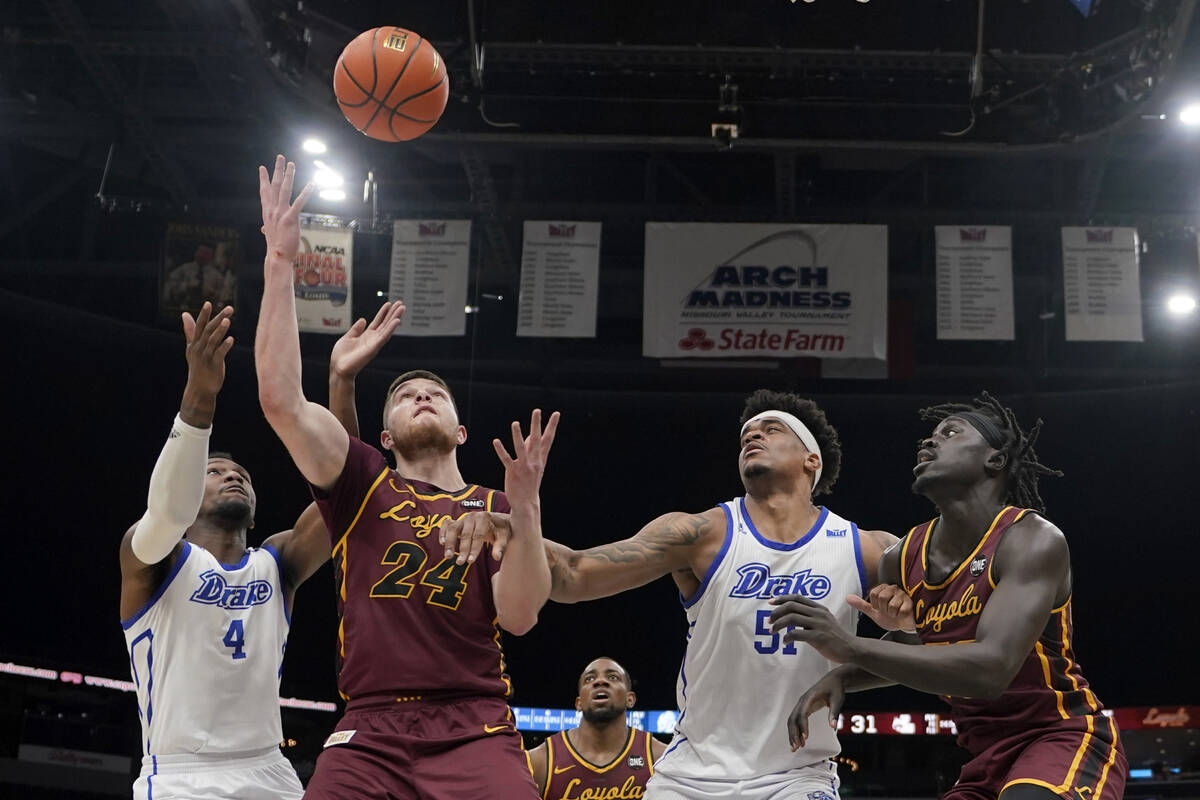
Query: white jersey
[739,681]
[206,654]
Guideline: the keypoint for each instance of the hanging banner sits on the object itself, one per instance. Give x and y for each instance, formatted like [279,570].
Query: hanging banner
[560,273]
[199,264]
[322,282]
[1101,289]
[729,290]
[974,282]
[430,259]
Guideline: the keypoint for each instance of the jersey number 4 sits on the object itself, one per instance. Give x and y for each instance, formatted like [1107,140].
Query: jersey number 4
[235,637]
[447,578]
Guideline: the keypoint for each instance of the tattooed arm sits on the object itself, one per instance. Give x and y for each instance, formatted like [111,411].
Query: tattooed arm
[684,544]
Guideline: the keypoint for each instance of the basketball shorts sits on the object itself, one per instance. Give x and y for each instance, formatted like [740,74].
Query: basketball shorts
[1080,757]
[262,775]
[813,782]
[423,750]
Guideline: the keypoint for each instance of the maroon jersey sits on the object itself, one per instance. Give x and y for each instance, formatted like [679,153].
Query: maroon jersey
[412,623]
[570,776]
[1048,688]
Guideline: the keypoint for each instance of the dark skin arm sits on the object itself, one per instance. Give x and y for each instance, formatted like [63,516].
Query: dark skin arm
[303,549]
[1033,574]
[539,761]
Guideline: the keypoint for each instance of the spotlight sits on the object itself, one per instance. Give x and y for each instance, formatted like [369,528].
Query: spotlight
[332,194]
[327,178]
[314,146]
[1190,114]
[1181,303]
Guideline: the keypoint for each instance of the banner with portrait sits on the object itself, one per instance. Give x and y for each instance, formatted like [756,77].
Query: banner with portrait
[199,263]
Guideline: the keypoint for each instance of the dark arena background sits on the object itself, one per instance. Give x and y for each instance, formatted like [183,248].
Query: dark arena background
[130,131]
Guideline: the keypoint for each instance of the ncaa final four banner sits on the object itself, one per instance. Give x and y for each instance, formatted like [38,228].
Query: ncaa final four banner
[322,281]
[729,290]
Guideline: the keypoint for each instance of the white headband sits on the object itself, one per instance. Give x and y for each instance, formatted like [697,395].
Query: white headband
[798,428]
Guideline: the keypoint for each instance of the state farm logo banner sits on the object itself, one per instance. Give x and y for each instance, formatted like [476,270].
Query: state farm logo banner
[728,290]
[430,259]
[1101,289]
[322,279]
[560,273]
[974,282]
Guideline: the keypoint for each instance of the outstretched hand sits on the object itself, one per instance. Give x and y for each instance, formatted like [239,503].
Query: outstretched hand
[888,606]
[523,470]
[207,346]
[357,346]
[281,217]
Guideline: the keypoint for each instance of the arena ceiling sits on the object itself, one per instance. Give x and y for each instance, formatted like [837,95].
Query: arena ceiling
[907,113]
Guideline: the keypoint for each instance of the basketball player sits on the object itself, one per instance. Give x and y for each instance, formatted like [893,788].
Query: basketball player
[727,563]
[206,618]
[603,757]
[422,668]
[990,581]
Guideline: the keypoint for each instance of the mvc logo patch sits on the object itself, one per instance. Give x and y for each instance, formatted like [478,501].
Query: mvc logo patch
[978,565]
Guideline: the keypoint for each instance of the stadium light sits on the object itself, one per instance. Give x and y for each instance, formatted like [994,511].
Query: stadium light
[1181,303]
[316,146]
[1190,114]
[332,194]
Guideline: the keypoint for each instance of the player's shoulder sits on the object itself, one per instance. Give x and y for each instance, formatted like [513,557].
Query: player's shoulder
[1033,541]
[1034,529]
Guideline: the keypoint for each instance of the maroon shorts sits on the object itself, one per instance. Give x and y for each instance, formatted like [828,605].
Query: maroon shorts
[426,750]
[1080,758]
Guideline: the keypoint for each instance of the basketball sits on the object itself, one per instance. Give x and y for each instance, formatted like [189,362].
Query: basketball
[391,84]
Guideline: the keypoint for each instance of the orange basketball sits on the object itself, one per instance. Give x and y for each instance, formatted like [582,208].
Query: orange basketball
[391,84]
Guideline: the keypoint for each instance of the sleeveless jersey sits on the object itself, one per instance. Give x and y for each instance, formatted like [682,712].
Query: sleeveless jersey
[738,680]
[1048,687]
[206,654]
[570,776]
[412,623]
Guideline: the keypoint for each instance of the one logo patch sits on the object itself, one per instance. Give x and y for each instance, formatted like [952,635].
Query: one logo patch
[756,580]
[820,795]
[841,532]
[978,566]
[214,591]
[339,737]
[637,762]
[472,503]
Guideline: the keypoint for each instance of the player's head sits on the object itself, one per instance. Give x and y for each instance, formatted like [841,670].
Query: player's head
[419,416]
[979,442]
[204,254]
[229,498]
[774,427]
[605,691]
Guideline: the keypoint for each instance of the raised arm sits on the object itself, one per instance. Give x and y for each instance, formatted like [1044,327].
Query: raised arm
[313,436]
[521,586]
[177,483]
[351,353]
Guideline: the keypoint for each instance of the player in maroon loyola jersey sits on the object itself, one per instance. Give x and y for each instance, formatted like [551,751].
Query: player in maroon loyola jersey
[989,581]
[419,636]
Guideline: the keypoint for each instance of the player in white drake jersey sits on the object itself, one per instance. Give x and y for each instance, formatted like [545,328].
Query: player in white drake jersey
[728,562]
[205,617]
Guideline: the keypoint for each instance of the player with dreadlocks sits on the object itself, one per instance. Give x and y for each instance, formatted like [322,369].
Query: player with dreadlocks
[990,584]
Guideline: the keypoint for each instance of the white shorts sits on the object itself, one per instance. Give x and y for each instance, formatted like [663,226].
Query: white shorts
[261,775]
[814,782]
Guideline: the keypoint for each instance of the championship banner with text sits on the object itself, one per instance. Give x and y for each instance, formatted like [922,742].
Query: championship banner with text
[430,260]
[199,263]
[1102,292]
[322,283]
[974,282]
[729,290]
[560,273]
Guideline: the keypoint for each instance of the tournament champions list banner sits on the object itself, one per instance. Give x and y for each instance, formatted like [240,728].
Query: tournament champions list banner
[322,280]
[430,260]
[729,290]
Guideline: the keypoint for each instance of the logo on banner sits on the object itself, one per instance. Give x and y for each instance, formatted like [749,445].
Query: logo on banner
[696,339]
[972,234]
[1099,235]
[431,228]
[565,231]
[1175,719]
[742,281]
[321,273]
